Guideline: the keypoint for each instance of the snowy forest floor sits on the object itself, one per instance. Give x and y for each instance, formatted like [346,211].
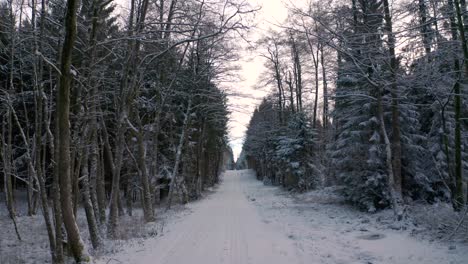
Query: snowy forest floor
[246,222]
[34,247]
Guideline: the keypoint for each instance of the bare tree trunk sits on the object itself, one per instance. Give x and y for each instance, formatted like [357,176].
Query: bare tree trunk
[424,26]
[179,153]
[6,161]
[147,194]
[291,93]
[41,180]
[76,159]
[396,131]
[53,142]
[128,197]
[7,146]
[274,58]
[100,186]
[297,73]
[88,206]
[459,197]
[93,100]
[31,192]
[314,120]
[126,87]
[170,16]
[93,169]
[38,95]
[112,224]
[395,195]
[315,60]
[63,116]
[325,88]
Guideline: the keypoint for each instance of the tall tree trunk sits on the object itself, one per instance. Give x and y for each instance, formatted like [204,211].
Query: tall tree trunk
[63,117]
[58,218]
[101,186]
[112,224]
[179,153]
[315,61]
[279,83]
[291,93]
[5,151]
[424,26]
[41,180]
[325,88]
[459,197]
[93,101]
[93,169]
[127,88]
[297,73]
[395,195]
[456,88]
[316,72]
[7,146]
[38,95]
[396,130]
[143,170]
[88,206]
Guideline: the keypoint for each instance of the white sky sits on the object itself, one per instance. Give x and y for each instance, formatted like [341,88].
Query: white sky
[272,12]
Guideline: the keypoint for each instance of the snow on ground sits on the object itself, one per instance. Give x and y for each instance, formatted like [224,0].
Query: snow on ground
[329,231]
[223,228]
[245,222]
[34,247]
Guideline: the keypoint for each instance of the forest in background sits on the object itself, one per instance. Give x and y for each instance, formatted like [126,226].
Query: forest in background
[367,95]
[111,109]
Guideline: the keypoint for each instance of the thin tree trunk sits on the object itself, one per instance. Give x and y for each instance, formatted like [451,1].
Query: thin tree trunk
[325,88]
[112,224]
[88,206]
[459,197]
[127,86]
[6,161]
[424,26]
[291,93]
[395,195]
[396,130]
[143,171]
[128,197]
[179,153]
[315,60]
[42,187]
[58,219]
[93,170]
[314,121]
[63,116]
[93,100]
[7,146]
[297,74]
[100,187]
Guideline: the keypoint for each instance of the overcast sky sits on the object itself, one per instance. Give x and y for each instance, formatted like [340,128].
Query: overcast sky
[272,12]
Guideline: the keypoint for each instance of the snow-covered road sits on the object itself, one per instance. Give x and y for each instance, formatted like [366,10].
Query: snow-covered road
[244,222]
[223,228]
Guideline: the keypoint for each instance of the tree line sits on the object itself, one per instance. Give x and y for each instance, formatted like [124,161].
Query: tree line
[109,108]
[369,95]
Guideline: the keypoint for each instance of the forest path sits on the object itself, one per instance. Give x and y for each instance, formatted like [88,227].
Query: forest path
[245,222]
[225,227]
